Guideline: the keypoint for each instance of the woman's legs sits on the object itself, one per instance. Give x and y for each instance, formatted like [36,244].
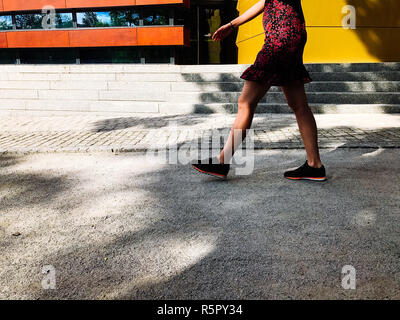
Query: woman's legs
[297,101]
[252,93]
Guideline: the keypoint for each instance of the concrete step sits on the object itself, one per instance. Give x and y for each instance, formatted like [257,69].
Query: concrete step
[336,88]
[92,68]
[317,86]
[188,108]
[199,76]
[278,97]
[356,76]
[79,105]
[183,108]
[172,68]
[353,67]
[167,68]
[314,67]
[316,76]
[191,77]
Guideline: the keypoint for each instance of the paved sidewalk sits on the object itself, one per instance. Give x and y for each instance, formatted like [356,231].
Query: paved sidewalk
[129,227]
[28,132]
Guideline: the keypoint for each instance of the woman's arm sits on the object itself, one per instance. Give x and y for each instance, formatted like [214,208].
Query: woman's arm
[248,15]
[226,29]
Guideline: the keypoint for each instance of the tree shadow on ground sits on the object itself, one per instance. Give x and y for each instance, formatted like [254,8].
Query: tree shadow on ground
[23,198]
[25,189]
[251,237]
[144,122]
[9,160]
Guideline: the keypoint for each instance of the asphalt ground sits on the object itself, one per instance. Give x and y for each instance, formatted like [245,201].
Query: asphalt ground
[127,226]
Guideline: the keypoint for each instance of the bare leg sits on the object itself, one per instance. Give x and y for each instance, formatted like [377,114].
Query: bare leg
[297,101]
[252,93]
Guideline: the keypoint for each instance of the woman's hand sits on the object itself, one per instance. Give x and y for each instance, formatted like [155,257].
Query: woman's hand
[222,32]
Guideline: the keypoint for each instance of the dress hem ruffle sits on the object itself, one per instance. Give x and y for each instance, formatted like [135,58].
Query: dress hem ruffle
[276,79]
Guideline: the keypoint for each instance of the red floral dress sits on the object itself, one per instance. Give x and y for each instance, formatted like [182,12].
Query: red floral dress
[280,60]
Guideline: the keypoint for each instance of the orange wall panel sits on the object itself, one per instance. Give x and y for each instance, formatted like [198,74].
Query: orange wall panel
[160,36]
[38,39]
[103,37]
[18,5]
[98,3]
[14,5]
[3,40]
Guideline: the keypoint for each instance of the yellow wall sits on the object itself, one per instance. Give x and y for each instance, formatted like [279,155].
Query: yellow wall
[375,39]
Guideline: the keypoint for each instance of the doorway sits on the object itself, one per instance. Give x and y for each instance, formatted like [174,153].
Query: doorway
[205,17]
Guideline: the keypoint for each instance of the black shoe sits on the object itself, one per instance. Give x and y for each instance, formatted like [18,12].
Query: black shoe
[213,167]
[305,172]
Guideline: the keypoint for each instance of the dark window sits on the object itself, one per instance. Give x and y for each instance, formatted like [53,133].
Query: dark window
[5,23]
[183,16]
[154,16]
[8,56]
[95,55]
[124,18]
[94,19]
[107,19]
[87,55]
[110,55]
[48,55]
[29,21]
[126,55]
[35,20]
[157,54]
[64,20]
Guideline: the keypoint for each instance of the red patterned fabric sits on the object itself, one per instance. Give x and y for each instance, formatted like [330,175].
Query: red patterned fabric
[280,60]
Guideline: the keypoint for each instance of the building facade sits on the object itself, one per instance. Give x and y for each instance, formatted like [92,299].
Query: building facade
[179,31]
[113,31]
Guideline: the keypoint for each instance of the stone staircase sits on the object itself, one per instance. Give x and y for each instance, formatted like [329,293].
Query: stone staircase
[185,89]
